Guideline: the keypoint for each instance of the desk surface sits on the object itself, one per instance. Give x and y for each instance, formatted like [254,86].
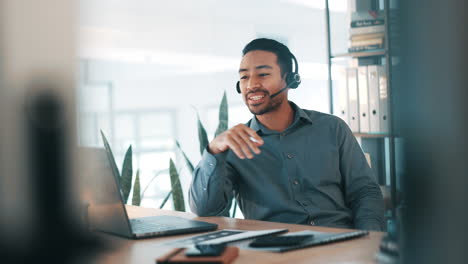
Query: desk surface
[145,251]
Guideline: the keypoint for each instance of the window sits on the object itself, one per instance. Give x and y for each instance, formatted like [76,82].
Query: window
[176,56]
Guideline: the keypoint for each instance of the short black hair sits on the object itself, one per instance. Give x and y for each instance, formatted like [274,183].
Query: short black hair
[282,52]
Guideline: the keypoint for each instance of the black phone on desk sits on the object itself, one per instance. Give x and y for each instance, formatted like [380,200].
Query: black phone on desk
[279,241]
[205,250]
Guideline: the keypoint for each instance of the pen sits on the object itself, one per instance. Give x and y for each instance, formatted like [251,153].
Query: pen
[253,139]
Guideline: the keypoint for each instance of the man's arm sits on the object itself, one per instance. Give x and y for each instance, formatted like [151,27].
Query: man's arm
[362,193]
[213,181]
[212,188]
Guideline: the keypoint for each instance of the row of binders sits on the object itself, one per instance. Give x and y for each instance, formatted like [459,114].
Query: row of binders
[362,99]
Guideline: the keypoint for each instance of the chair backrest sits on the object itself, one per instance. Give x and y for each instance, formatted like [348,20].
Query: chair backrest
[387,196]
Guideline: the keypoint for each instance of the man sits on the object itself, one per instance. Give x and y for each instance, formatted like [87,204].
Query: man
[286,164]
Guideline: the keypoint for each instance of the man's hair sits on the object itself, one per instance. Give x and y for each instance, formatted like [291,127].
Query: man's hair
[271,45]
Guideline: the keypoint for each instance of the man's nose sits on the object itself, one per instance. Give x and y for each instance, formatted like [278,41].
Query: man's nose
[253,83]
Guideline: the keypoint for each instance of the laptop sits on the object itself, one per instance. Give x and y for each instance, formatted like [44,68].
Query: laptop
[106,210]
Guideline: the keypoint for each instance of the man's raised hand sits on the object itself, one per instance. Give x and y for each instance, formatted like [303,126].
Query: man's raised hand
[241,139]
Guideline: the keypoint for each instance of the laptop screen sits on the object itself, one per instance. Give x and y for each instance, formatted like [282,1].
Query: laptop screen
[100,190]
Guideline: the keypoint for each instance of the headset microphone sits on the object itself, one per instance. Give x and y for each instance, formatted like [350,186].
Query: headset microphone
[280,91]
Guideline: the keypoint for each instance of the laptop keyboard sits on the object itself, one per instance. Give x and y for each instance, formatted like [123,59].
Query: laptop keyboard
[145,226]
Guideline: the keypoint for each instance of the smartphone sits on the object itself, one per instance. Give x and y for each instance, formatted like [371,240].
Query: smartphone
[201,250]
[279,241]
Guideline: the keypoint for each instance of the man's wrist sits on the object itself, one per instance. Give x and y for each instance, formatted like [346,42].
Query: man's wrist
[212,150]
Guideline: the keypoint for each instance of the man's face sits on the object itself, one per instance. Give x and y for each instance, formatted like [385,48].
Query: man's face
[260,77]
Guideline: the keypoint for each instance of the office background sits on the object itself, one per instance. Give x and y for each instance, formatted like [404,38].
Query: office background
[146,69]
[431,110]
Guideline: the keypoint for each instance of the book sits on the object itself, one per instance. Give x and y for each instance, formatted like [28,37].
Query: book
[367,15]
[365,42]
[367,30]
[367,23]
[367,36]
[365,48]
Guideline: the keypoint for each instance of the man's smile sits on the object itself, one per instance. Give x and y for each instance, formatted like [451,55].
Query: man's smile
[256,98]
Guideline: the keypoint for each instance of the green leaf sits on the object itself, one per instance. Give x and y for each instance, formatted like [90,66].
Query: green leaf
[127,174]
[136,199]
[223,116]
[202,137]
[235,207]
[177,194]
[187,161]
[165,200]
[110,155]
[151,181]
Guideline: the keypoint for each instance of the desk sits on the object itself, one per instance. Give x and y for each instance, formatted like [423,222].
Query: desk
[145,251]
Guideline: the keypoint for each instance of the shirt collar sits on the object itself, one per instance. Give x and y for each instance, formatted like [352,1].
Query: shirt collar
[299,114]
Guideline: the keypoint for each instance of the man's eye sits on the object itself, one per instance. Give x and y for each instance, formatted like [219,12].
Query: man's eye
[263,74]
[243,77]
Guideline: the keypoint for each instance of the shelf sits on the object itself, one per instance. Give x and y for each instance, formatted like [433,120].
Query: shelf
[366,135]
[381,146]
[360,54]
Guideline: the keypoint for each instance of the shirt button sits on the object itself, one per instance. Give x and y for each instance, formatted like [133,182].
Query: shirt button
[290,156]
[312,222]
[296,182]
[211,164]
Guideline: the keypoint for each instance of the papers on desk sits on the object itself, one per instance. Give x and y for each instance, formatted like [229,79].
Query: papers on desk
[242,238]
[224,236]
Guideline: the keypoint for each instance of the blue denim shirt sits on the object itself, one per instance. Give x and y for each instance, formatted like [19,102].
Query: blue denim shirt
[314,173]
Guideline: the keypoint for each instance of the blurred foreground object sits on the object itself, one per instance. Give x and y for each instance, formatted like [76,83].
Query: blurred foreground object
[40,214]
[433,118]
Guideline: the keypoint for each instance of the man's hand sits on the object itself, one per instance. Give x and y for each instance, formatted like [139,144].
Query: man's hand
[240,139]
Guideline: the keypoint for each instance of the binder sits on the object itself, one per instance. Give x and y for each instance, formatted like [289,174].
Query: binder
[374,98]
[364,126]
[353,100]
[383,101]
[340,106]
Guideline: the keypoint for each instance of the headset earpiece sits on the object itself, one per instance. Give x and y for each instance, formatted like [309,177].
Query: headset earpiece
[238,87]
[293,80]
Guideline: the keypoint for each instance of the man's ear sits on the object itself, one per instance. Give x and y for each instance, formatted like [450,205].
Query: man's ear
[284,76]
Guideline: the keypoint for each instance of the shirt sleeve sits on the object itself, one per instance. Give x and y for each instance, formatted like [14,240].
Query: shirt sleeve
[362,193]
[211,190]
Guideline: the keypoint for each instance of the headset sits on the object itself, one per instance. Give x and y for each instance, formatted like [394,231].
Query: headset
[293,79]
